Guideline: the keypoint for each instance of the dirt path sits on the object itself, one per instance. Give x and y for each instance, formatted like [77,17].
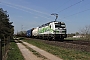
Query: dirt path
[42,52]
[26,53]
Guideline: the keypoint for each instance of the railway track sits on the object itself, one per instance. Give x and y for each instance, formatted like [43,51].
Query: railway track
[71,44]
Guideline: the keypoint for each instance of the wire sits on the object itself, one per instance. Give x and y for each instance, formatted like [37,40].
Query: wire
[59,6]
[71,6]
[77,13]
[62,5]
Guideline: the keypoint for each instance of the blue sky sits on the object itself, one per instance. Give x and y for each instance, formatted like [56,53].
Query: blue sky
[27,14]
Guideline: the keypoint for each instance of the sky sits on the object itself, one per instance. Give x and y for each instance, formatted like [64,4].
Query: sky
[27,14]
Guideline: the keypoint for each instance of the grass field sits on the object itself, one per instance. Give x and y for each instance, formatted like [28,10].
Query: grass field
[71,38]
[66,54]
[14,53]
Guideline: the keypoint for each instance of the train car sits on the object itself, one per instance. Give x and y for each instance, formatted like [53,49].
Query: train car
[53,30]
[35,32]
[29,33]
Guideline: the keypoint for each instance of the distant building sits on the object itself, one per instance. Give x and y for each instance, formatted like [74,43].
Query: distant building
[78,36]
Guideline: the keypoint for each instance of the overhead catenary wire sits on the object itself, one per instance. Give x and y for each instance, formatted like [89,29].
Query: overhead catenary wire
[40,11]
[59,6]
[78,13]
[70,6]
[62,5]
[47,14]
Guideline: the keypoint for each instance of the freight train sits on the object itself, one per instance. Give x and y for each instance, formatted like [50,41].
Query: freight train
[52,31]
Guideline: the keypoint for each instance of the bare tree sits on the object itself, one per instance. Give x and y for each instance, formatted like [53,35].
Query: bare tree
[86,32]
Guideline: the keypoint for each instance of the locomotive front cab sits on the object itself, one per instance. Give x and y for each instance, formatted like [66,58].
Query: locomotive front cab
[60,30]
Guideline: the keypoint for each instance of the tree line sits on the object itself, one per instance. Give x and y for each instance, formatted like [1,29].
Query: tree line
[6,27]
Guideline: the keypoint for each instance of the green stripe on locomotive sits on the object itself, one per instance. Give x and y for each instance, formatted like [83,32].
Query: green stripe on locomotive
[45,29]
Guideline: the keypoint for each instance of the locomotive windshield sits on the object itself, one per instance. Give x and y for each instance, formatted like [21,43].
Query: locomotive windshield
[59,25]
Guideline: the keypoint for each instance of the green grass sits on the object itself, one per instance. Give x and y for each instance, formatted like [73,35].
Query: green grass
[14,53]
[71,38]
[66,54]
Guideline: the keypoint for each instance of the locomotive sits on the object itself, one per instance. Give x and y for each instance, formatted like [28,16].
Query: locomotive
[52,31]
